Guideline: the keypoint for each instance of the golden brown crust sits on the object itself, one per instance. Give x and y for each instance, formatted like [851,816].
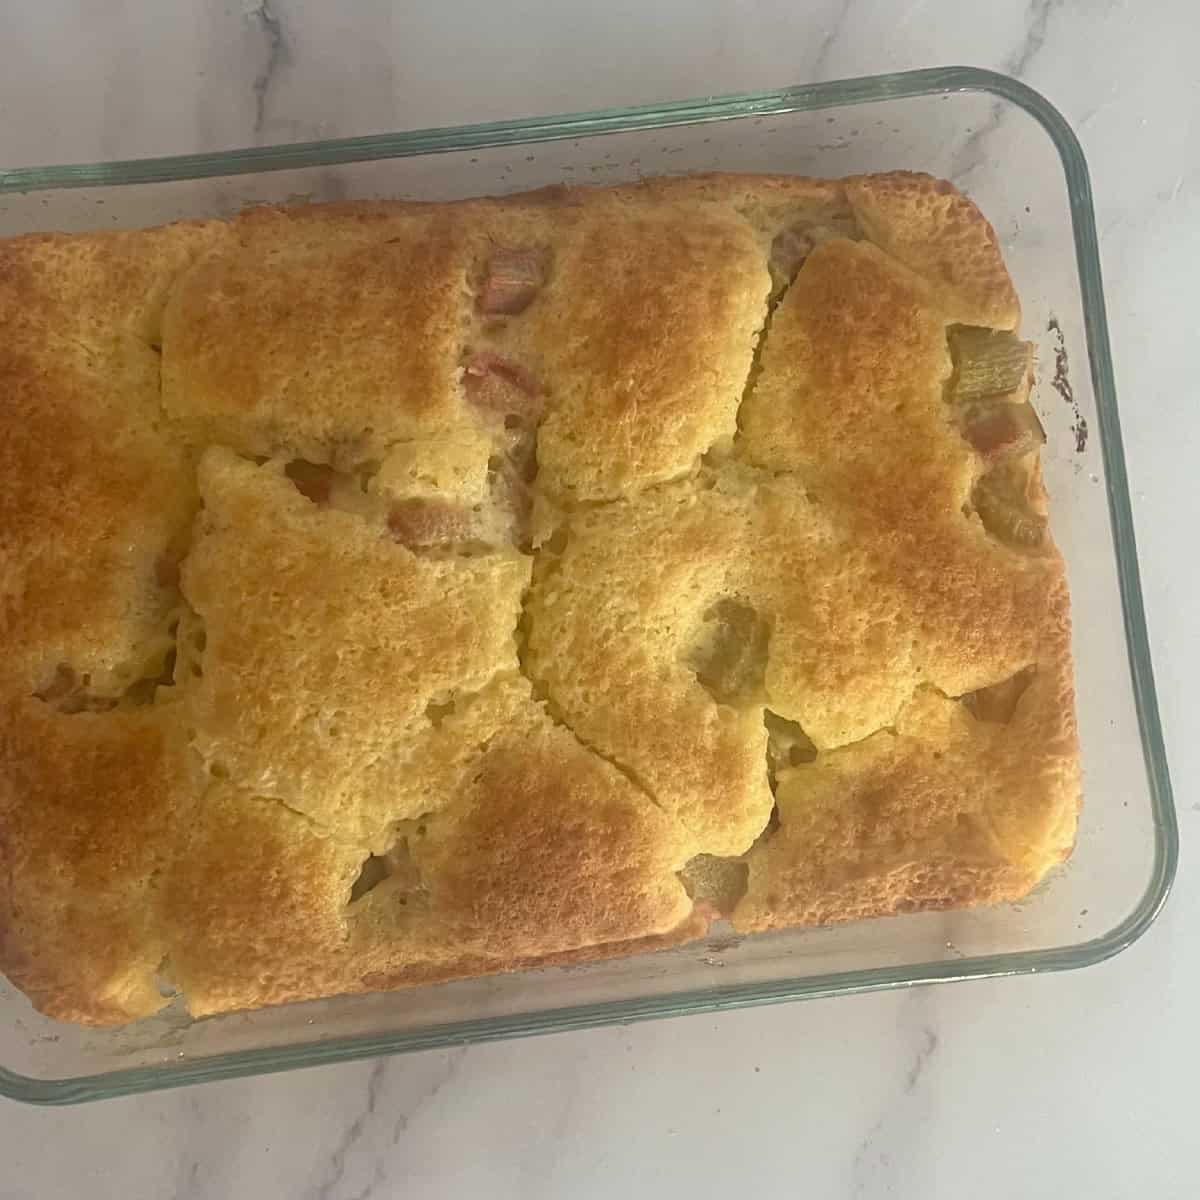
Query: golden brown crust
[97,493]
[326,642]
[549,848]
[624,409]
[329,343]
[89,808]
[852,399]
[616,621]
[932,228]
[254,909]
[945,810]
[394,592]
[547,853]
[857,345]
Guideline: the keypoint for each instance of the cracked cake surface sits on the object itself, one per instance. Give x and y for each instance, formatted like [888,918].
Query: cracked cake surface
[397,592]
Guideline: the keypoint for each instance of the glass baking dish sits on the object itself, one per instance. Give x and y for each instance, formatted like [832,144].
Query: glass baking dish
[1010,149]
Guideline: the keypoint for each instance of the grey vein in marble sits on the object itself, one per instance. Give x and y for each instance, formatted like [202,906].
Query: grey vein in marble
[1037,20]
[278,53]
[925,1051]
[871,1155]
[354,1131]
[829,42]
[453,1062]
[372,1112]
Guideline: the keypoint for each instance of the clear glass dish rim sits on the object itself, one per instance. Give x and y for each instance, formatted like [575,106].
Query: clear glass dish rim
[807,97]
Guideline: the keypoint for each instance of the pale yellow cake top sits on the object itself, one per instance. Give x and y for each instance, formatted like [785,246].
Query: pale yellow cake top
[397,592]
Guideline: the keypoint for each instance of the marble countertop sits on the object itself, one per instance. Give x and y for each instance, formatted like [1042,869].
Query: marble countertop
[1071,1085]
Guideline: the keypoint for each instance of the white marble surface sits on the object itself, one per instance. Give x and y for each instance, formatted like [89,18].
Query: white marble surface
[1076,1085]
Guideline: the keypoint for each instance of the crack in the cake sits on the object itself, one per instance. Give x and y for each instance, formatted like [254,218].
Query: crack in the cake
[775,297]
[318,828]
[754,372]
[572,506]
[788,746]
[250,795]
[452,701]
[755,369]
[554,710]
[70,694]
[88,349]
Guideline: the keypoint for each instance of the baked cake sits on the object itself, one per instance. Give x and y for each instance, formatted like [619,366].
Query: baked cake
[397,592]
